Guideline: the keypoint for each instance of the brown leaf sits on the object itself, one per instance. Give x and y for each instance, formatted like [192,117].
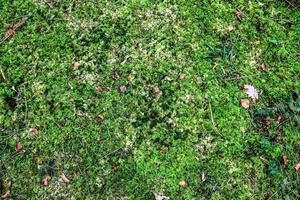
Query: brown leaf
[76,65]
[226,78]
[34,131]
[8,26]
[6,194]
[285,159]
[279,120]
[181,76]
[123,88]
[157,90]
[262,67]
[100,88]
[297,167]
[64,178]
[245,103]
[183,183]
[114,167]
[50,5]
[46,180]
[237,74]
[101,116]
[116,76]
[238,15]
[9,35]
[18,146]
[163,151]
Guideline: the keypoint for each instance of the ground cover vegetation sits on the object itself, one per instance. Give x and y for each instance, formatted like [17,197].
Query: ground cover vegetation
[144,99]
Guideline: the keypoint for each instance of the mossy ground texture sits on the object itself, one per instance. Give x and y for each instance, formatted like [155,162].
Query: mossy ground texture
[177,128]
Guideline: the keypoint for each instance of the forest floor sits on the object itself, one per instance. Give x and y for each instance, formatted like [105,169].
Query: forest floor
[176,99]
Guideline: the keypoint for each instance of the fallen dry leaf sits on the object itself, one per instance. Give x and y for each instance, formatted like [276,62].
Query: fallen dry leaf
[101,116]
[116,76]
[237,75]
[100,88]
[163,151]
[245,103]
[238,15]
[114,167]
[123,88]
[46,180]
[285,159]
[181,76]
[6,194]
[8,26]
[297,167]
[18,146]
[183,183]
[252,92]
[262,67]
[34,131]
[279,120]
[64,178]
[157,90]
[76,65]
[226,78]
[50,5]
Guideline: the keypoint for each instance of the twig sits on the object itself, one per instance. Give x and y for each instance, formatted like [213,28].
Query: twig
[20,24]
[291,4]
[12,31]
[213,119]
[242,77]
[211,115]
[3,75]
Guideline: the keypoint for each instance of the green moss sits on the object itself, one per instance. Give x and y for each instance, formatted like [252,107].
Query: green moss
[192,129]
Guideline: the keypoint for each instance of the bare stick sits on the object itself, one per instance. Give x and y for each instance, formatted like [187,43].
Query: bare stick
[3,75]
[213,119]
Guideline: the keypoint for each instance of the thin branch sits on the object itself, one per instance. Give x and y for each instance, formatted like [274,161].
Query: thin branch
[213,119]
[3,75]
